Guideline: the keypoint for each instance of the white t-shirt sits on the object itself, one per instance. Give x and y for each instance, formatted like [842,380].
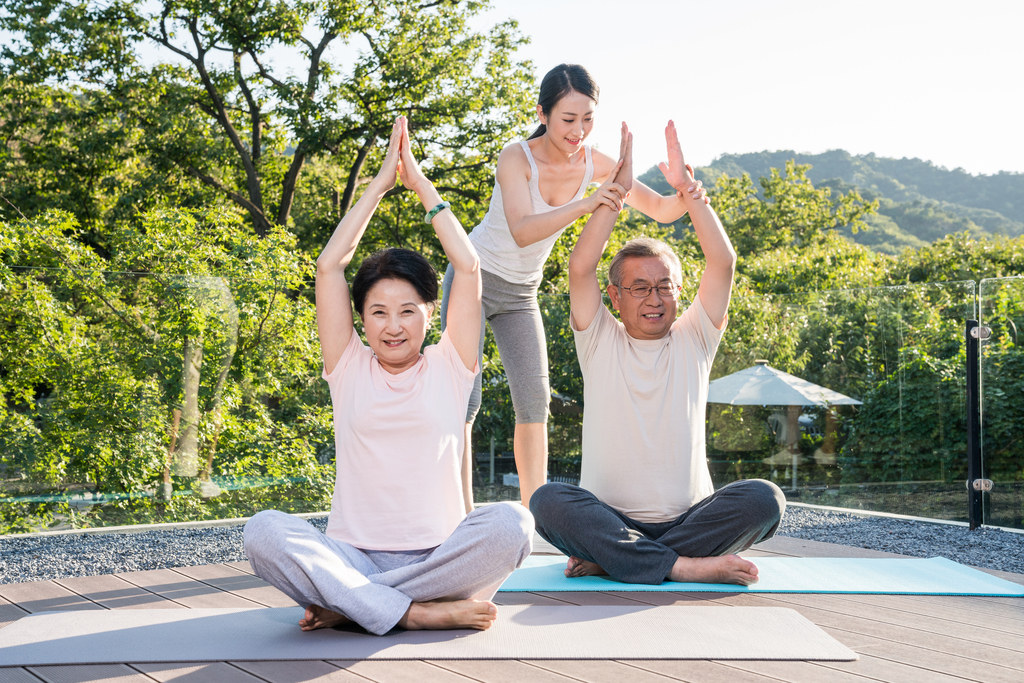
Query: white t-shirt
[499,254]
[399,445]
[644,413]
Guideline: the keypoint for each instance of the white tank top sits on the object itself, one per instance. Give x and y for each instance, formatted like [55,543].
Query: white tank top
[499,253]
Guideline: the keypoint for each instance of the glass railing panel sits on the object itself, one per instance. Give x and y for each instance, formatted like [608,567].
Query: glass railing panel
[138,398]
[883,427]
[1001,310]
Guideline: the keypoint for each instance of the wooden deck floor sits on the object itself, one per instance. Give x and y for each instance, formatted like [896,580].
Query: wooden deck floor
[899,638]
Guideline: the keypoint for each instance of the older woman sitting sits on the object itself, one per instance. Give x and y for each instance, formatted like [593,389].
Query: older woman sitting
[400,548]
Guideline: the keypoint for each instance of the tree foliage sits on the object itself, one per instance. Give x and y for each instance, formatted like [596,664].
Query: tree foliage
[218,107]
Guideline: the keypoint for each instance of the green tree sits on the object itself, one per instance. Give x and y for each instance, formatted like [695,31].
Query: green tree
[118,381]
[215,107]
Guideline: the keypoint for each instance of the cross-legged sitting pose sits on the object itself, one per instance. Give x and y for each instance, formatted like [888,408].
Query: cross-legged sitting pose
[399,548]
[646,510]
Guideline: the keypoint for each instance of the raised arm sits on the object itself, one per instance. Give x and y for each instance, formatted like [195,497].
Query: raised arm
[716,282]
[584,289]
[528,227]
[463,323]
[664,209]
[333,305]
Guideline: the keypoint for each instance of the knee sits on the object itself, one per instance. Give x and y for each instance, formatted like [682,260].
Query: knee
[548,499]
[511,526]
[765,499]
[260,530]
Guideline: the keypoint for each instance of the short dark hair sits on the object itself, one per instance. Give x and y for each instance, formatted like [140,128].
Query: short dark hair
[394,264]
[559,82]
[643,247]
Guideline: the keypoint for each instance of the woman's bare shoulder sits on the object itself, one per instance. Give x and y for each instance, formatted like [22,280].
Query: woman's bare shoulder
[603,165]
[512,162]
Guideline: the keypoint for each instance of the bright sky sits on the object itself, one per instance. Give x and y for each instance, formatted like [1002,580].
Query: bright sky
[933,79]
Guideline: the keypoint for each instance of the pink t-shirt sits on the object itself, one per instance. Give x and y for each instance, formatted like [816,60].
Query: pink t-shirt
[399,448]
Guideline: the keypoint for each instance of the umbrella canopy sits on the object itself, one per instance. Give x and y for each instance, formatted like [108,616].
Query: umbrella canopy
[763,385]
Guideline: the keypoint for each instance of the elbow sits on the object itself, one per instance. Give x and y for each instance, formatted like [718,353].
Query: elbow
[326,266]
[468,265]
[578,269]
[727,263]
[322,266]
[731,260]
[521,240]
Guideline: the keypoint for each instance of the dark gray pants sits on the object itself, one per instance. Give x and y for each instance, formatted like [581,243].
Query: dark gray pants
[732,519]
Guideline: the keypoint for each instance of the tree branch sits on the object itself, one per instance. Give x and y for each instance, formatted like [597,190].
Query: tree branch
[263,226]
[353,173]
[252,177]
[254,112]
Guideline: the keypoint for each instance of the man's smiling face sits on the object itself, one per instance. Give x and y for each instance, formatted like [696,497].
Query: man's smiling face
[652,316]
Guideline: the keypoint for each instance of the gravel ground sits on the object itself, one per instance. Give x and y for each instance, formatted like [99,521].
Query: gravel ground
[55,557]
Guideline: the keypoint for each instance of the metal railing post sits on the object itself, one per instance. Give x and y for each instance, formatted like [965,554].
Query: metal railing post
[974,473]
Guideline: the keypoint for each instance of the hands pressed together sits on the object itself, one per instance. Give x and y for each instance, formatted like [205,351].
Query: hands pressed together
[614,191]
[677,172]
[399,160]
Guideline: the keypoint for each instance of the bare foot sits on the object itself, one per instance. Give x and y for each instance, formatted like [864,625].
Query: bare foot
[723,569]
[577,567]
[321,617]
[440,616]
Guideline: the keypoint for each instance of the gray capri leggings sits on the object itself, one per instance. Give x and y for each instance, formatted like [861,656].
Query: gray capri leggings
[514,314]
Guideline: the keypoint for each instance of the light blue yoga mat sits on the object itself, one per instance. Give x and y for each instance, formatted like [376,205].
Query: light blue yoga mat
[899,576]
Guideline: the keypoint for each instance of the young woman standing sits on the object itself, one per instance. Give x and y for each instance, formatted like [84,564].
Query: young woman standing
[539,192]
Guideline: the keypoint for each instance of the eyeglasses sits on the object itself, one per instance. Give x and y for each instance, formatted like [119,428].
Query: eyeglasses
[666,290]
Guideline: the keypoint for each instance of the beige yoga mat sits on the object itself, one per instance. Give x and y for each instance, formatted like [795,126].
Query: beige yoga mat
[521,632]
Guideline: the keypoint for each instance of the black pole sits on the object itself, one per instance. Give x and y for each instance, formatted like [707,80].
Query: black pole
[974,473]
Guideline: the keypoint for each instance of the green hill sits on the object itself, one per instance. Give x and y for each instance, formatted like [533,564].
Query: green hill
[919,202]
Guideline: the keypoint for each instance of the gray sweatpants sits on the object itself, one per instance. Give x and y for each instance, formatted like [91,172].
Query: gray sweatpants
[514,314]
[374,588]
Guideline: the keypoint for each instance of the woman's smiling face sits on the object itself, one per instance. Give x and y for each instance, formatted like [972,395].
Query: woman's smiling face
[569,122]
[395,320]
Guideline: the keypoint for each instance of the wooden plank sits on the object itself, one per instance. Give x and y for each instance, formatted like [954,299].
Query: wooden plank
[959,645]
[598,671]
[886,671]
[796,672]
[924,605]
[114,593]
[92,673]
[206,672]
[1011,609]
[972,669]
[801,547]
[44,596]
[699,671]
[185,591]
[399,672]
[500,671]
[526,599]
[591,598]
[18,675]
[10,613]
[238,583]
[300,672]
[843,613]
[663,599]
[242,566]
